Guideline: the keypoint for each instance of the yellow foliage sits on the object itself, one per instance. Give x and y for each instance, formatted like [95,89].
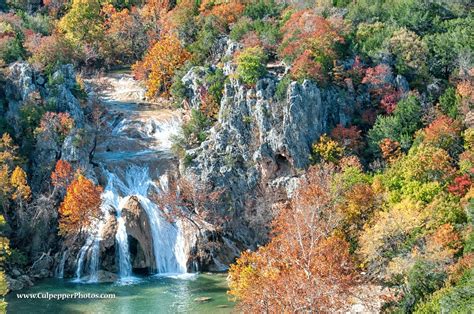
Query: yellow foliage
[22,191]
[390,229]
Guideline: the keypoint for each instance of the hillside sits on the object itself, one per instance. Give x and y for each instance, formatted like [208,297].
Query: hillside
[320,152]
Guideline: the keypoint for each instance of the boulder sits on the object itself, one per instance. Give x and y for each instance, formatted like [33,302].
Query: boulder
[140,238]
[14,284]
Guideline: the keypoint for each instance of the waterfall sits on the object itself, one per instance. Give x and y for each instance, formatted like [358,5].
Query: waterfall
[138,135]
[168,241]
[60,269]
[81,256]
[125,266]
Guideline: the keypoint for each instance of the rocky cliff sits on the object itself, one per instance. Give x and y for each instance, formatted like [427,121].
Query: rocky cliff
[258,146]
[26,91]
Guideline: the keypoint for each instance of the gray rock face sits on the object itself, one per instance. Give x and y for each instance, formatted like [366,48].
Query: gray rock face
[138,228]
[254,151]
[26,86]
[194,82]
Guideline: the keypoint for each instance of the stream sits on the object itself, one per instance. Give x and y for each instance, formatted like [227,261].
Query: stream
[134,160]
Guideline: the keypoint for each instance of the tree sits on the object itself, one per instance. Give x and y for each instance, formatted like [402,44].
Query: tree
[50,51]
[251,65]
[348,137]
[83,22]
[410,52]
[80,206]
[390,150]
[305,267]
[400,126]
[8,151]
[305,67]
[327,149]
[160,64]
[372,39]
[21,189]
[229,10]
[385,238]
[445,133]
[62,175]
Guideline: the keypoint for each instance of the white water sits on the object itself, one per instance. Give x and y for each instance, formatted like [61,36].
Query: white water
[125,266]
[60,270]
[142,136]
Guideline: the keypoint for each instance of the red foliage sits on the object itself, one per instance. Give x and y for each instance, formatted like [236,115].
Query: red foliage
[305,67]
[461,185]
[349,137]
[307,30]
[357,71]
[389,101]
[63,174]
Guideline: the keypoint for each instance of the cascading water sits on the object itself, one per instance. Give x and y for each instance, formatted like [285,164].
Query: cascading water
[125,266]
[60,269]
[139,141]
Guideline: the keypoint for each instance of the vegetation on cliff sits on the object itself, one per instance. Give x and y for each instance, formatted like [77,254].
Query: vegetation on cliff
[390,190]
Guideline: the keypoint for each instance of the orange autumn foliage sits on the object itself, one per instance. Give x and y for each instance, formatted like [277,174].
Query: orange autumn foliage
[160,63]
[62,175]
[305,267]
[306,30]
[390,149]
[228,10]
[80,206]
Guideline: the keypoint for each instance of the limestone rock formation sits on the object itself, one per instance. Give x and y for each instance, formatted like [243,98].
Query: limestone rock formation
[139,232]
[256,149]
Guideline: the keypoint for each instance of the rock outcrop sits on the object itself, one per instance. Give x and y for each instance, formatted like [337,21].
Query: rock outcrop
[256,149]
[29,90]
[139,234]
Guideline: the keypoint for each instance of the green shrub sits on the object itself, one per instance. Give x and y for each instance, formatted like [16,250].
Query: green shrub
[282,88]
[201,49]
[423,279]
[259,9]
[372,39]
[400,126]
[251,65]
[449,102]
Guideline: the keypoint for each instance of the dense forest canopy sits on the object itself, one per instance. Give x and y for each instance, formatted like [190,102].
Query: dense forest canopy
[389,197]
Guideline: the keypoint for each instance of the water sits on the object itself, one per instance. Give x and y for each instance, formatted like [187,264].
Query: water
[150,295]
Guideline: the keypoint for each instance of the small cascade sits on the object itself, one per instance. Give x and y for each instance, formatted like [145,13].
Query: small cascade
[60,269]
[94,259]
[81,257]
[125,266]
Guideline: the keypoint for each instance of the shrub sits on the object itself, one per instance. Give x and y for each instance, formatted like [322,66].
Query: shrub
[444,133]
[251,65]
[423,279]
[410,52]
[449,102]
[372,39]
[259,9]
[327,149]
[398,127]
[52,51]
